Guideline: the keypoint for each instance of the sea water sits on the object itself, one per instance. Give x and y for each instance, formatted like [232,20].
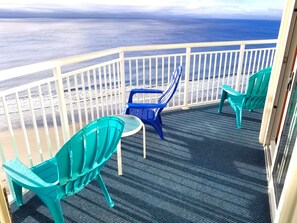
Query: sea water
[27,41]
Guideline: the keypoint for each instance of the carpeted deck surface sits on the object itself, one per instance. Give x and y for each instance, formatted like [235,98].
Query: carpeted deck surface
[206,171]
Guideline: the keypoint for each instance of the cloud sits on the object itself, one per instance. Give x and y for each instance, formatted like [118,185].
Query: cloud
[212,8]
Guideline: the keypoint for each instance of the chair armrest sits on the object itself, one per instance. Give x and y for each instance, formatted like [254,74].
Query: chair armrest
[231,91]
[146,105]
[143,91]
[23,175]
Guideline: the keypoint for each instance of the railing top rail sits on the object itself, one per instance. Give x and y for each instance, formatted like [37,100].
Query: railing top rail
[200,44]
[37,67]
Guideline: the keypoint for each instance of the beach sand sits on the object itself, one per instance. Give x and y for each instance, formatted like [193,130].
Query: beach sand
[22,153]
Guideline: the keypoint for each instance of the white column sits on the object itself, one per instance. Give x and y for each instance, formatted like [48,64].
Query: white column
[187,77]
[62,103]
[239,68]
[123,78]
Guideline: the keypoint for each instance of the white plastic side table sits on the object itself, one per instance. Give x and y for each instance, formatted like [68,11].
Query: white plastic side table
[132,126]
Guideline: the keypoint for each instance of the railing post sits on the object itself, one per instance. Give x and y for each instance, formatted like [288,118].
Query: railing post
[239,68]
[187,77]
[123,78]
[62,104]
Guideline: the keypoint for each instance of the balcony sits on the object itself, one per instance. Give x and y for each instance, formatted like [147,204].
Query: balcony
[206,170]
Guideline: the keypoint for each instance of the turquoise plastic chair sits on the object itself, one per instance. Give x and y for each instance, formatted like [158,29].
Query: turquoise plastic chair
[76,164]
[253,99]
[150,113]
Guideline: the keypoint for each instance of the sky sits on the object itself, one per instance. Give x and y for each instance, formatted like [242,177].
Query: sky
[212,8]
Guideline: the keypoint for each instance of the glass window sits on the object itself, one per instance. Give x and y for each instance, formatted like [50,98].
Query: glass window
[287,142]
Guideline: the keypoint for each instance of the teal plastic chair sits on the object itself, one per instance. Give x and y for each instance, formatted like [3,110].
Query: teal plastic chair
[150,113]
[76,164]
[253,99]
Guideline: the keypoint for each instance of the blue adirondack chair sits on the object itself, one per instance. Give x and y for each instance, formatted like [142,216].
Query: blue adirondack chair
[150,113]
[77,163]
[253,99]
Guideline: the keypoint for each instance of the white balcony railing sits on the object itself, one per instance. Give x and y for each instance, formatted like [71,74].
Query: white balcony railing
[42,105]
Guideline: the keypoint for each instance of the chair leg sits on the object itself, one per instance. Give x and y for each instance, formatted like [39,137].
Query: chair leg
[18,195]
[238,112]
[104,190]
[54,207]
[223,98]
[157,126]
[160,120]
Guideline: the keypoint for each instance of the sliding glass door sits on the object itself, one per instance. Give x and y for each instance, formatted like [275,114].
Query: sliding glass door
[286,145]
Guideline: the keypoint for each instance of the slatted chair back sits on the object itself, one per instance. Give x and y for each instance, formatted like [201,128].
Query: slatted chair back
[171,87]
[254,98]
[256,92]
[80,159]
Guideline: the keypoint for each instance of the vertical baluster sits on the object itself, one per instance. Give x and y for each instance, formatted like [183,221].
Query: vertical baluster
[229,70]
[101,91]
[179,88]
[35,125]
[71,105]
[96,92]
[263,58]
[214,76]
[225,66]
[198,77]
[187,78]
[162,73]
[234,70]
[168,68]
[209,76]
[120,92]
[78,100]
[219,75]
[137,77]
[130,74]
[47,135]
[204,73]
[175,63]
[110,89]
[255,59]
[115,90]
[272,57]
[157,68]
[122,79]
[90,95]
[143,77]
[53,115]
[259,59]
[150,78]
[105,90]
[250,64]
[83,92]
[144,72]
[268,56]
[193,78]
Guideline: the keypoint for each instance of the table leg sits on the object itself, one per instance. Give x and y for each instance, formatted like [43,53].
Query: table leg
[119,158]
[144,142]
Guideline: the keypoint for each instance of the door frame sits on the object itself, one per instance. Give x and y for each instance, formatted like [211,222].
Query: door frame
[275,112]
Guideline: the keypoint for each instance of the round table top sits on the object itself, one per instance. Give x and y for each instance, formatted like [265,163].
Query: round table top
[132,124]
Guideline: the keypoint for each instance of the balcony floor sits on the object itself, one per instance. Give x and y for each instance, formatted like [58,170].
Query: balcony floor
[207,170]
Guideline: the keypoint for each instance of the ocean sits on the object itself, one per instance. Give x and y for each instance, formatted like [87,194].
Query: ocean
[27,41]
